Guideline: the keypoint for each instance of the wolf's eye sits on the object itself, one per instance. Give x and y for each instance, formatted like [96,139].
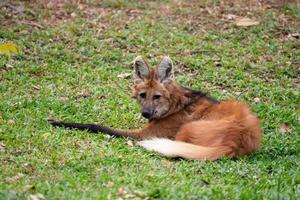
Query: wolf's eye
[143,95]
[157,96]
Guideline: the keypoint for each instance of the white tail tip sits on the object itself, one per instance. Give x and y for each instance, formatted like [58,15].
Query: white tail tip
[172,148]
[161,145]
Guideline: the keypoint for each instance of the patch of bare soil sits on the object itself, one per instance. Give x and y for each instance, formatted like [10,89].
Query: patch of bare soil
[198,16]
[42,13]
[201,16]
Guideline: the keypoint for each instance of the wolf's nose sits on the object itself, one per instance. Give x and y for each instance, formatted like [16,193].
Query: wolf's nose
[146,114]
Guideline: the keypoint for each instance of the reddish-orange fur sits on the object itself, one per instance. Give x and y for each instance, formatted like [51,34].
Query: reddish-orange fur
[230,127]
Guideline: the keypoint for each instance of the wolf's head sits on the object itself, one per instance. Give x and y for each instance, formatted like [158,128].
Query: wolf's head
[153,87]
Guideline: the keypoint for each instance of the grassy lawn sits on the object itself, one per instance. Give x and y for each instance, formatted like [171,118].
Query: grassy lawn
[71,55]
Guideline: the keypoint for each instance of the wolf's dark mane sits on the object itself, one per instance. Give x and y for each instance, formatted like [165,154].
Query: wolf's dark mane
[199,94]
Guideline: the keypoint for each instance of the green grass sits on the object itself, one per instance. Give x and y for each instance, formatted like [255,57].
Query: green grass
[68,70]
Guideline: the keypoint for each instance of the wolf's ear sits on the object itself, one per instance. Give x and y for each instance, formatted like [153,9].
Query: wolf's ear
[141,68]
[164,71]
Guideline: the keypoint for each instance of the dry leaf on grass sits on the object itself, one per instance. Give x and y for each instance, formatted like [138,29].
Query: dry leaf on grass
[108,41]
[11,121]
[124,75]
[244,21]
[187,52]
[285,128]
[2,147]
[129,143]
[256,99]
[15,178]
[28,167]
[84,94]
[8,48]
[18,176]
[109,184]
[122,192]
[293,36]
[64,98]
[36,87]
[34,24]
[73,14]
[26,188]
[8,66]
[37,196]
[230,17]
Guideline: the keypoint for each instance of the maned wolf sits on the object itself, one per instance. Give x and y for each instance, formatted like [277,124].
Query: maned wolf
[184,122]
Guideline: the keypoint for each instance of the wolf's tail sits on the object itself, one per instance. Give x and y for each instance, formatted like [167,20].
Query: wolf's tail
[93,128]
